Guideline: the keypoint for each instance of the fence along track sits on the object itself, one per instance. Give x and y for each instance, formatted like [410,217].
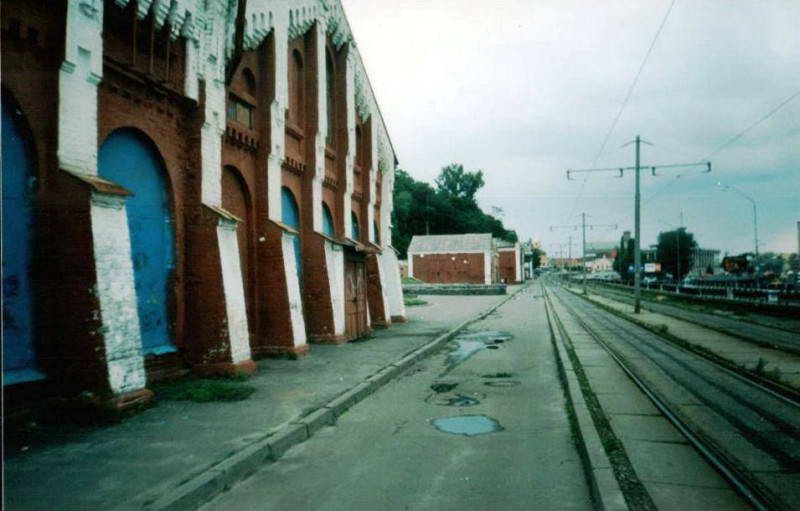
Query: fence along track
[742,482]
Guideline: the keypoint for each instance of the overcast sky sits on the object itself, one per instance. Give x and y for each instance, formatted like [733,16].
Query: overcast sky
[525,89]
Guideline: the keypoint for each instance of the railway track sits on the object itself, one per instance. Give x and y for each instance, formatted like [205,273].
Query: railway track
[747,432]
[776,338]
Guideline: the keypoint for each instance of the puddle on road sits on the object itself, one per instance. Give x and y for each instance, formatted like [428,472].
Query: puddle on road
[467,425]
[443,387]
[458,400]
[470,343]
[501,383]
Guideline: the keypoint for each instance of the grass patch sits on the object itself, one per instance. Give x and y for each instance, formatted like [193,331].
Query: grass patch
[411,280]
[412,301]
[206,390]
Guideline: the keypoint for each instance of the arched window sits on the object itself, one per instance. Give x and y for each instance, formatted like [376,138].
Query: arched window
[331,104]
[356,229]
[296,86]
[327,221]
[290,215]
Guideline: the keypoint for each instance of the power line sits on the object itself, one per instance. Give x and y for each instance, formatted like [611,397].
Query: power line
[633,85]
[729,142]
[624,102]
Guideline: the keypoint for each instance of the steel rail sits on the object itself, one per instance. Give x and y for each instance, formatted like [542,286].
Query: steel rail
[741,482]
[778,390]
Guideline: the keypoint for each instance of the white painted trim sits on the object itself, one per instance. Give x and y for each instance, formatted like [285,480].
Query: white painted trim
[394,287]
[334,259]
[351,142]
[410,259]
[233,286]
[116,294]
[293,288]
[487,267]
[517,263]
[81,72]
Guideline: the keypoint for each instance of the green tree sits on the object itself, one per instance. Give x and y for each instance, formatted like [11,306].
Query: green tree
[458,184]
[625,259]
[674,247]
[449,208]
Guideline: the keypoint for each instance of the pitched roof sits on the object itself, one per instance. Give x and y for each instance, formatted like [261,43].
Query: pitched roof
[450,243]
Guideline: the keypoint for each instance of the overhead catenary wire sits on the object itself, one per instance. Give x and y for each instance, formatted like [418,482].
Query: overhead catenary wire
[624,103]
[732,140]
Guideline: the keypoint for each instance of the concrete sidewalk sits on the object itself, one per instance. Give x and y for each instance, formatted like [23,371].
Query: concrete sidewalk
[168,456]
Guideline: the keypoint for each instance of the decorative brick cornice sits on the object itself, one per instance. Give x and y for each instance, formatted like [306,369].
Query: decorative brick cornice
[294,166]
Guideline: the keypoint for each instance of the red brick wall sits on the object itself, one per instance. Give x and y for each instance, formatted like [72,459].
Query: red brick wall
[507,266]
[449,268]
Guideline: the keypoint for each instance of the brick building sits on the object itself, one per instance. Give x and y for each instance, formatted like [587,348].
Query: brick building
[509,261]
[187,186]
[453,258]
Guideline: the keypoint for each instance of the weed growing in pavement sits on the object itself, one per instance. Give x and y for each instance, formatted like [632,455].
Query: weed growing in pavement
[411,301]
[760,367]
[205,390]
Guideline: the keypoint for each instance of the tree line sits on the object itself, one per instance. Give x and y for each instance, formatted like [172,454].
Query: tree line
[448,207]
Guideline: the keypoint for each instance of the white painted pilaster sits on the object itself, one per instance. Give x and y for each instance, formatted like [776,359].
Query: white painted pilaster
[487,267]
[322,129]
[334,259]
[351,141]
[81,72]
[373,172]
[410,264]
[393,284]
[232,281]
[517,262]
[277,118]
[116,293]
[293,287]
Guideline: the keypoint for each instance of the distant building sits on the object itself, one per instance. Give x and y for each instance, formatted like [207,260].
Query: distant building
[704,258]
[452,258]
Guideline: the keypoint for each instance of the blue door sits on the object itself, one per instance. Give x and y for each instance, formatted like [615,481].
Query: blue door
[290,215]
[131,160]
[19,357]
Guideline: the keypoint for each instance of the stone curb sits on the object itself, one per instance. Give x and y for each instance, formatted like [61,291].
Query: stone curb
[205,486]
[605,489]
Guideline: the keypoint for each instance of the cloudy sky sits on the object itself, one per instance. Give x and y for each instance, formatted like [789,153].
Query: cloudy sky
[525,89]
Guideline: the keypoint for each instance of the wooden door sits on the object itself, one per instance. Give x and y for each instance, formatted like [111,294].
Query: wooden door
[355,296]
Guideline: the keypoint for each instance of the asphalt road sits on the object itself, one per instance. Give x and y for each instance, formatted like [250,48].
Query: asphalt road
[509,446]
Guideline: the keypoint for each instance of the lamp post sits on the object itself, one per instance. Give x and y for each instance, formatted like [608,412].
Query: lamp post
[755,214]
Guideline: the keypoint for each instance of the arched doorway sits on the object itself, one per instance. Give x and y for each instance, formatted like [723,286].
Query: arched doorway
[290,215]
[356,227]
[19,354]
[236,199]
[129,158]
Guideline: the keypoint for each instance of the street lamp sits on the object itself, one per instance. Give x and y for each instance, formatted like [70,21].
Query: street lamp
[755,213]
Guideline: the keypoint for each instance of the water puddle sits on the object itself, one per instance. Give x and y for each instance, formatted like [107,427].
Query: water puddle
[470,343]
[501,383]
[467,425]
[443,387]
[458,400]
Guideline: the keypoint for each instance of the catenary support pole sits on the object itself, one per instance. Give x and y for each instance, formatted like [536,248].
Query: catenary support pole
[637,257]
[583,250]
